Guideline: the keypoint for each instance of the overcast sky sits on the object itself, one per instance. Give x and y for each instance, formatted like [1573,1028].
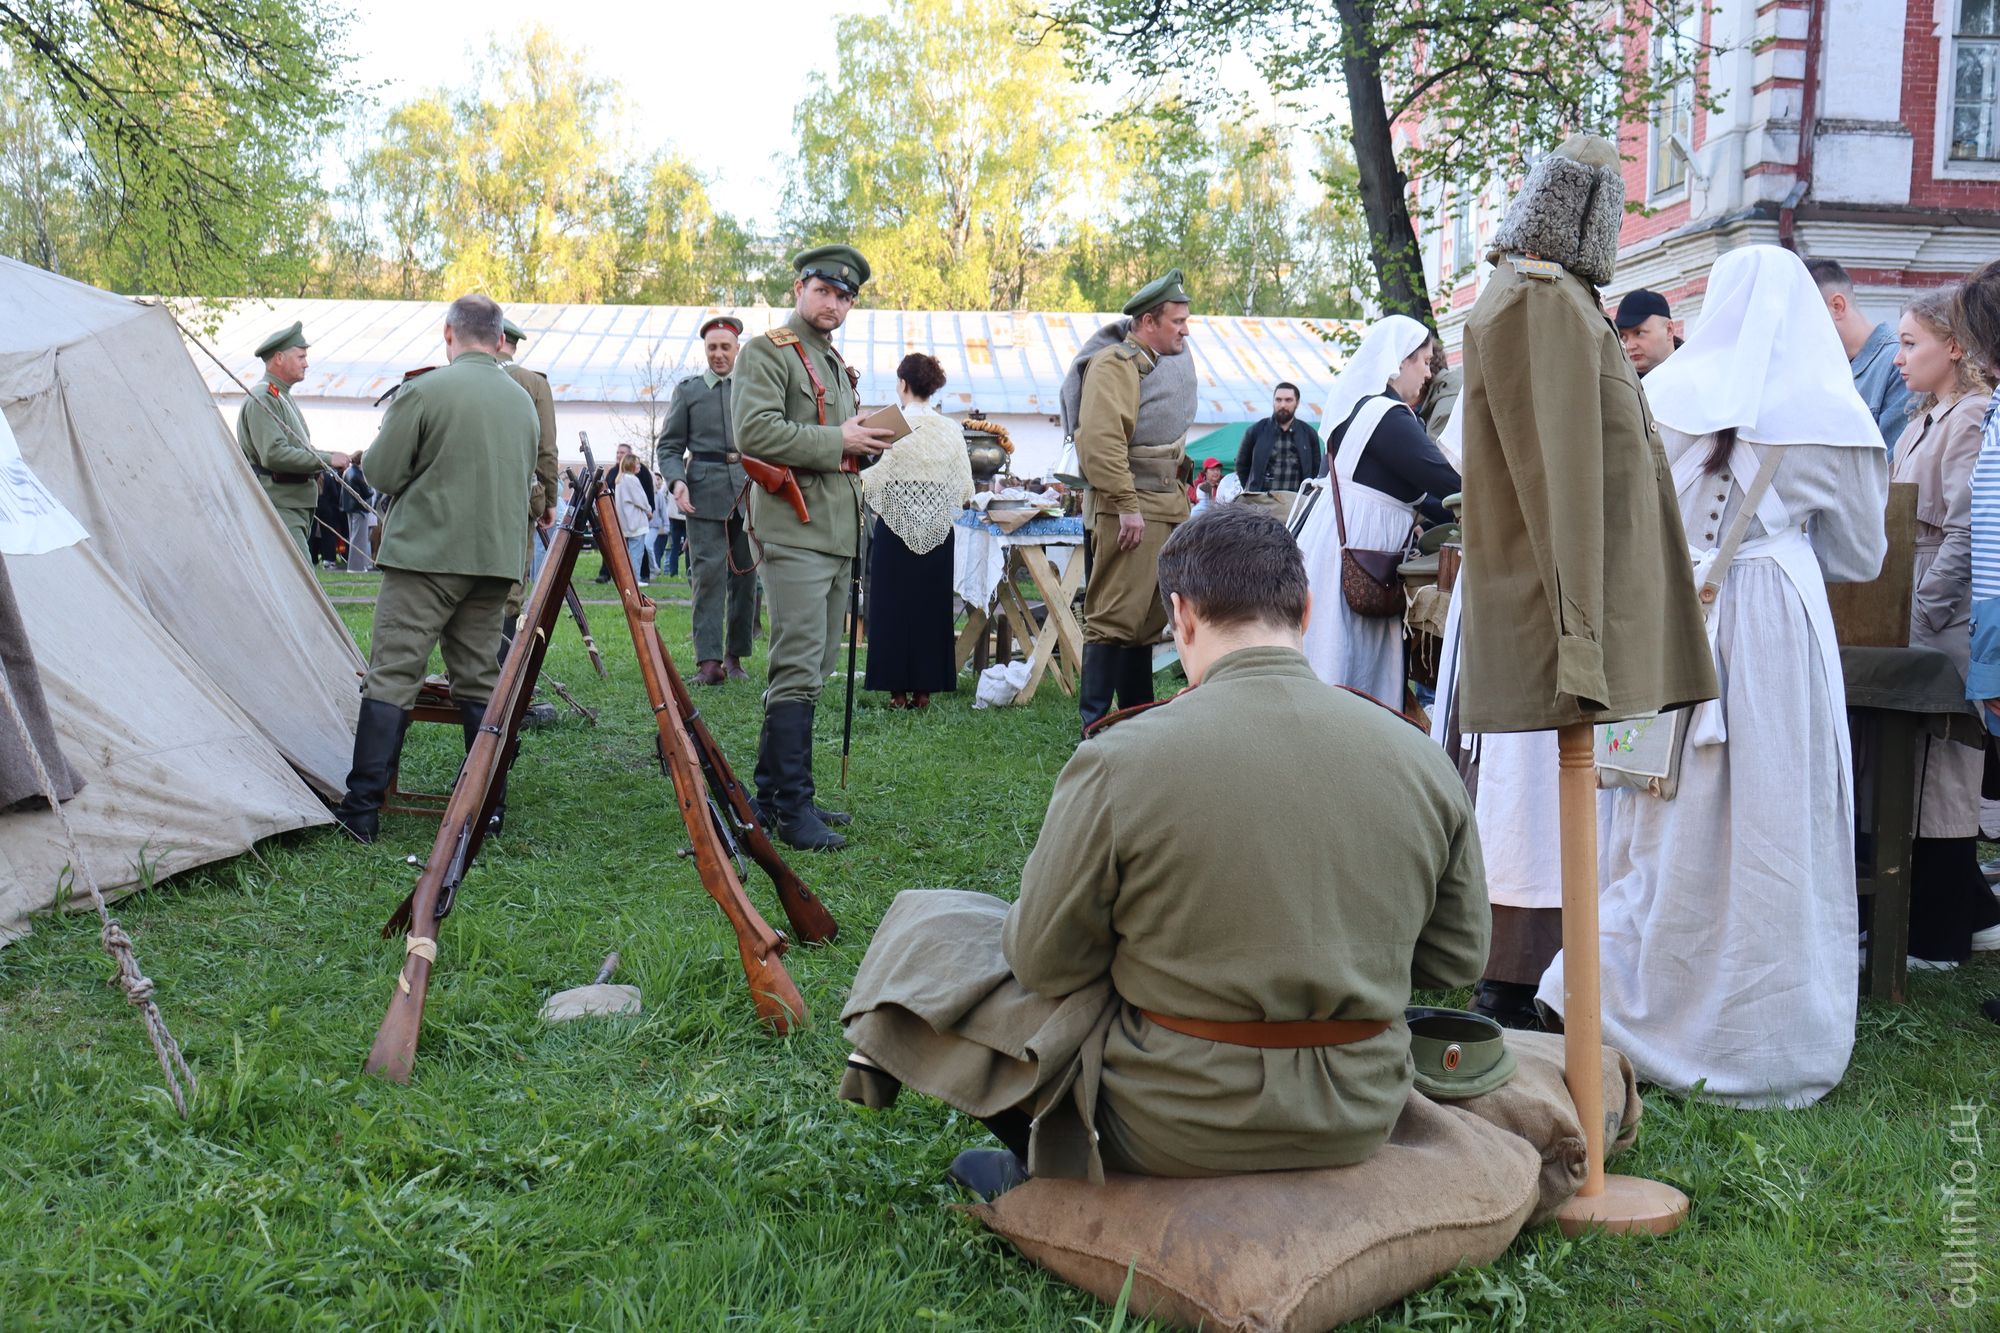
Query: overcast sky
[718,80]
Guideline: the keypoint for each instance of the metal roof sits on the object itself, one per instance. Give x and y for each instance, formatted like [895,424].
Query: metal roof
[999,362]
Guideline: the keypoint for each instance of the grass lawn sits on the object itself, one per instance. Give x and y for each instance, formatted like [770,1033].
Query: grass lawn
[683,1170]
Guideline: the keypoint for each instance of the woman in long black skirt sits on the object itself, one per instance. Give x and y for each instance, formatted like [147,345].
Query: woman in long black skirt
[916,489]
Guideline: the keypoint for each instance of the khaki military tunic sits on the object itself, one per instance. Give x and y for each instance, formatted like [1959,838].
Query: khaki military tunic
[698,447]
[542,491]
[281,456]
[806,565]
[457,450]
[1121,602]
[1340,870]
[1578,602]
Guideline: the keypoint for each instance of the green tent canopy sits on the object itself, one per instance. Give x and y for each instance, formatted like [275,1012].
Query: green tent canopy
[1221,443]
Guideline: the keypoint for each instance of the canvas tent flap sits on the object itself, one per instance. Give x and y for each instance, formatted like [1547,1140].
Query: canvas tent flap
[198,679]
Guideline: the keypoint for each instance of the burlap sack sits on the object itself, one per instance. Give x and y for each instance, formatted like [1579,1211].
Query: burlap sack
[1536,1106]
[1290,1251]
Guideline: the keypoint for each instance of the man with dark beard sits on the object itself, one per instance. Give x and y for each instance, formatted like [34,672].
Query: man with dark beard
[1279,453]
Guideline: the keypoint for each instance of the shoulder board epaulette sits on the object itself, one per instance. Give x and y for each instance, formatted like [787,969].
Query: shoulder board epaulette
[1363,694]
[274,391]
[525,370]
[397,387]
[782,336]
[409,375]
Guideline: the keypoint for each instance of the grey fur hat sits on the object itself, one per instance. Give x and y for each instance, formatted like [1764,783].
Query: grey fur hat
[1570,210]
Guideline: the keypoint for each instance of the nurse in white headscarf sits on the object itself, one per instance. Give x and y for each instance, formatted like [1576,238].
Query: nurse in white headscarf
[1385,471]
[1728,915]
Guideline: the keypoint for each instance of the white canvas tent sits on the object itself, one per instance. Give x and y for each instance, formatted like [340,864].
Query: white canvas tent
[199,682]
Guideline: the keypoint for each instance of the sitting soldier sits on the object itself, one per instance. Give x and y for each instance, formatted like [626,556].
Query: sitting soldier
[1187,996]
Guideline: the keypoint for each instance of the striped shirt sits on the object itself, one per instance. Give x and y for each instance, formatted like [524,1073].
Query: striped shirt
[1982,680]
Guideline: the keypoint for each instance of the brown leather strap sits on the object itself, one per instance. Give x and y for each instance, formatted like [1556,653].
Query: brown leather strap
[1285,1035]
[819,389]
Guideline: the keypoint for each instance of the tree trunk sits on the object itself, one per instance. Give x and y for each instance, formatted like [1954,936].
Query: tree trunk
[1399,269]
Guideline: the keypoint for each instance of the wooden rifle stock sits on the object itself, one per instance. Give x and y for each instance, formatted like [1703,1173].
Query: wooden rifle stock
[471,803]
[778,1002]
[779,481]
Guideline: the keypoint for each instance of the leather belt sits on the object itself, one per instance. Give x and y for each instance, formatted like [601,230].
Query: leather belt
[1290,1035]
[284,478]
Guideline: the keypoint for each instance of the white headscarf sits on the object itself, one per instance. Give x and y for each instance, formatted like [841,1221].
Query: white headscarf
[1387,341]
[1764,358]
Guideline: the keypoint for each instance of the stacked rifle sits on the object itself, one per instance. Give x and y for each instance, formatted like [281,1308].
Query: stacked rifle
[720,820]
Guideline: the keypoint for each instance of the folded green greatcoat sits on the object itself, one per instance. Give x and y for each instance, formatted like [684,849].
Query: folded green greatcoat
[1579,601]
[1336,866]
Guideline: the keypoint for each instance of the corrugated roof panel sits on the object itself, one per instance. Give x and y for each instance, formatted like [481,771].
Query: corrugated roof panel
[1007,362]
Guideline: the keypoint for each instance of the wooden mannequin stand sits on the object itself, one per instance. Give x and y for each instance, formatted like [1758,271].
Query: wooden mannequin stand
[1608,1203]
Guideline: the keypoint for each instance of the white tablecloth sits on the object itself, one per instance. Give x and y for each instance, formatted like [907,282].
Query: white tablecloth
[979,552]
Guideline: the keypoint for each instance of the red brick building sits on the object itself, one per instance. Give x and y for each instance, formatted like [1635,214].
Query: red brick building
[1866,131]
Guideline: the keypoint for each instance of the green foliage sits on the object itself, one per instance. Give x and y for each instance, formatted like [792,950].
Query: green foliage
[684,1170]
[173,139]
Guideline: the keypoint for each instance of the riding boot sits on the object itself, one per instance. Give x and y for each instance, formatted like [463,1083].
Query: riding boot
[799,825]
[507,631]
[1135,674]
[1101,662]
[764,779]
[831,818]
[378,741]
[472,716]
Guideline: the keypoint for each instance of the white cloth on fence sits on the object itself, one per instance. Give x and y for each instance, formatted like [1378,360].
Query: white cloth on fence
[1727,915]
[1364,653]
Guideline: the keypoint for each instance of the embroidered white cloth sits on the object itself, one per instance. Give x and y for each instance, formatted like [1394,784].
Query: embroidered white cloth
[920,482]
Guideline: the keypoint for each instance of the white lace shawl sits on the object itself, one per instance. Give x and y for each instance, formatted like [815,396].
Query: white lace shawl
[922,480]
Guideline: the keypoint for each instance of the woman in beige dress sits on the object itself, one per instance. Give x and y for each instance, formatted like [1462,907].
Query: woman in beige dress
[1951,910]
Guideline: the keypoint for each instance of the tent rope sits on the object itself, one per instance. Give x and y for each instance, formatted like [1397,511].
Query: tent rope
[137,986]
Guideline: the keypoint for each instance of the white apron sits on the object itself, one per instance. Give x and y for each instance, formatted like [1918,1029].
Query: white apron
[1364,653]
[1727,916]
[1515,803]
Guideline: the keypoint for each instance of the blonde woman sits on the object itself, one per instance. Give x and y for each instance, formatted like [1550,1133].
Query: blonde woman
[1951,911]
[916,490]
[635,511]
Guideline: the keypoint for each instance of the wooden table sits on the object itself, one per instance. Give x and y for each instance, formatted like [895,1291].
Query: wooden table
[1052,641]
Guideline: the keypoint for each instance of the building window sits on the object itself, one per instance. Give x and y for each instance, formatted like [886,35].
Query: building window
[1461,231]
[1975,82]
[1676,46]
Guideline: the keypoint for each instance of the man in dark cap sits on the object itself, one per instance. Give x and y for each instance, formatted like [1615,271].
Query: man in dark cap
[1133,400]
[1647,328]
[273,435]
[456,449]
[704,473]
[793,403]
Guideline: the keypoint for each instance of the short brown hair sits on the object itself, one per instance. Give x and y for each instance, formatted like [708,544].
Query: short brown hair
[1976,313]
[1235,565]
[922,373]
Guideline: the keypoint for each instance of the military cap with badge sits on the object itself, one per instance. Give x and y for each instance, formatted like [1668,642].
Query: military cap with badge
[730,322]
[1164,290]
[283,341]
[512,331]
[1457,1053]
[838,266]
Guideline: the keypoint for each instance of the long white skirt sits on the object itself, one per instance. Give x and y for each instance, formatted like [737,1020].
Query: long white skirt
[1728,923]
[1361,652]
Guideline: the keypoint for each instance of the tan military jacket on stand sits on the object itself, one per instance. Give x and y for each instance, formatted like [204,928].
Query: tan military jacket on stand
[1579,601]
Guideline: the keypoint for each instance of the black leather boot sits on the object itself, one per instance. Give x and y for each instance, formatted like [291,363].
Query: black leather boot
[830,818]
[1101,663]
[378,741]
[799,825]
[1511,1004]
[471,716]
[1135,674]
[767,813]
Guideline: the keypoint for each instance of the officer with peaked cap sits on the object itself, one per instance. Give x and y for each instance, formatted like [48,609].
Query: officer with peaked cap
[275,440]
[699,463]
[793,403]
[1137,400]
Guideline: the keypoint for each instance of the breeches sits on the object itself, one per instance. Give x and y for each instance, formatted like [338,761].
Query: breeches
[1121,602]
[725,603]
[808,595]
[414,613]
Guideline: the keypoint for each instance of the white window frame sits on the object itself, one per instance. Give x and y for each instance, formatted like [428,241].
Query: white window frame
[1946,14]
[1656,144]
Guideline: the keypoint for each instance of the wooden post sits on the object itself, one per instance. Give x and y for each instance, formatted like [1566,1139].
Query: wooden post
[1610,1203]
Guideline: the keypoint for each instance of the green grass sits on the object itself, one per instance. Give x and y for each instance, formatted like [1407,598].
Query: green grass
[684,1170]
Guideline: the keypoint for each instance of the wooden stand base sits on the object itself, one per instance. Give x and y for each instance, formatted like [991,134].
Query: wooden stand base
[1628,1204]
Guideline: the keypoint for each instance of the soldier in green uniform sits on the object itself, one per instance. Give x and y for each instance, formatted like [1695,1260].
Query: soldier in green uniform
[272,433]
[1131,429]
[456,449]
[793,403]
[541,492]
[698,460]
